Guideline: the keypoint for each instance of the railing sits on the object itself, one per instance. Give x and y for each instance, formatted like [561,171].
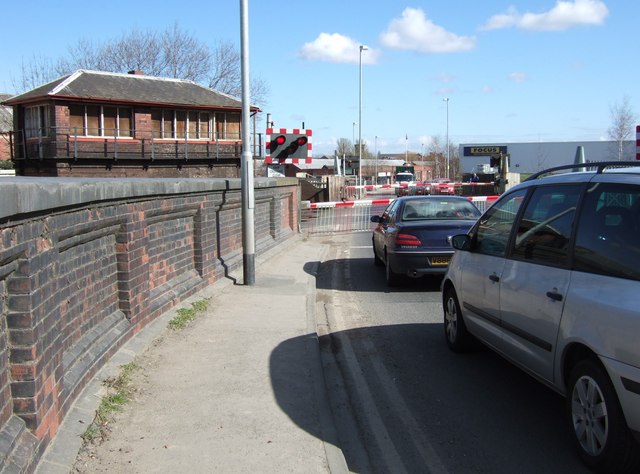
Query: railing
[335,217]
[355,216]
[69,143]
[417,189]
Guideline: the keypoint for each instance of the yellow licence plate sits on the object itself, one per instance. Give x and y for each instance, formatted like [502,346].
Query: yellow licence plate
[440,260]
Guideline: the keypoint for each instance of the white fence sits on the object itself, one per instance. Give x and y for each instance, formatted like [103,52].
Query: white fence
[354,216]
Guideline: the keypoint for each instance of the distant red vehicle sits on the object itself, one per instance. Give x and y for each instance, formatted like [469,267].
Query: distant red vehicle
[443,186]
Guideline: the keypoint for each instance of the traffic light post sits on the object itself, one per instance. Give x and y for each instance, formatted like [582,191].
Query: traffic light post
[288,146]
[501,161]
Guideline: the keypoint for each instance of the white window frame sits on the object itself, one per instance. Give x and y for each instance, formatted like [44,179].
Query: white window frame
[85,123]
[170,133]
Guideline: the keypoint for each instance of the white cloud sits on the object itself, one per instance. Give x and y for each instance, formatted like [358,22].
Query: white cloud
[445,91]
[414,31]
[564,15]
[337,48]
[502,20]
[445,78]
[518,77]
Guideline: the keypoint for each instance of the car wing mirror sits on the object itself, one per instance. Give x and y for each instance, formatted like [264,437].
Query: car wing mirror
[461,242]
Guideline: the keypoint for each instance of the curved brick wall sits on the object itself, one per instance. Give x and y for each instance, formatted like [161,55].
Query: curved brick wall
[86,263]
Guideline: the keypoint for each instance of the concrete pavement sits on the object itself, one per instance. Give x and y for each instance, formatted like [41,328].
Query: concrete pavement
[241,389]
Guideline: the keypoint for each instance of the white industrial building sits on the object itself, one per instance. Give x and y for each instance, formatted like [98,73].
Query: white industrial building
[532,157]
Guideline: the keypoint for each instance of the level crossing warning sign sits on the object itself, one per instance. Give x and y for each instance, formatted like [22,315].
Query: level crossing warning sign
[288,146]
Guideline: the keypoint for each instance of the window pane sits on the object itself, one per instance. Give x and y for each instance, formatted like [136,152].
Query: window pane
[124,122]
[205,131]
[109,121]
[43,112]
[493,229]
[76,119]
[233,126]
[169,123]
[220,135]
[181,118]
[606,240]
[193,125]
[93,120]
[36,121]
[545,228]
[30,122]
[156,123]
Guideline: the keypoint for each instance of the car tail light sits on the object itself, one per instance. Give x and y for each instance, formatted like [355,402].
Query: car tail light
[407,240]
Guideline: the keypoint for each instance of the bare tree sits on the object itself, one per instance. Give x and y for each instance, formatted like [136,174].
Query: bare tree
[136,51]
[36,72]
[622,123]
[225,75]
[87,55]
[344,147]
[171,53]
[366,153]
[183,56]
[436,152]
[6,125]
[455,173]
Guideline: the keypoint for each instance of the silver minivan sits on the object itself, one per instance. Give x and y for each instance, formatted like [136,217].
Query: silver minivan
[549,277]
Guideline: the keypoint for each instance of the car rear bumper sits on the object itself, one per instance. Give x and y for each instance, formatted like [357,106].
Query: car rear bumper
[417,264]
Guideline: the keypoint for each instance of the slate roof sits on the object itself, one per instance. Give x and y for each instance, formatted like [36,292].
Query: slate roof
[129,88]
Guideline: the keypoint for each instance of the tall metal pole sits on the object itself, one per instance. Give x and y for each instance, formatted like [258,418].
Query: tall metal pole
[248,198]
[362,48]
[446,99]
[353,136]
[375,149]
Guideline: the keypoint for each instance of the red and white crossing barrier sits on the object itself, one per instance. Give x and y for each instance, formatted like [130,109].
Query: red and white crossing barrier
[371,187]
[359,203]
[488,200]
[355,216]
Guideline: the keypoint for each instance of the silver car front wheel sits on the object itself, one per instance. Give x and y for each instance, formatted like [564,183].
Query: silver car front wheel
[600,431]
[589,415]
[456,334]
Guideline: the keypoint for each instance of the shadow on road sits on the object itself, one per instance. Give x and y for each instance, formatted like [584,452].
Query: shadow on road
[325,282]
[477,412]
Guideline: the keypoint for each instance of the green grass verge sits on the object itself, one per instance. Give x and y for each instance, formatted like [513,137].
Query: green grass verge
[186,315]
[120,389]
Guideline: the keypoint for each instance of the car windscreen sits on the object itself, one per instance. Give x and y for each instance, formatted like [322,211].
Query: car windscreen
[439,209]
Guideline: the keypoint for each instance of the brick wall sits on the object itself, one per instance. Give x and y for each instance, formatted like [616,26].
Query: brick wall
[5,149]
[90,263]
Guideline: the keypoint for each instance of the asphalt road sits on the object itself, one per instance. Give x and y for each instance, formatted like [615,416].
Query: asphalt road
[404,403]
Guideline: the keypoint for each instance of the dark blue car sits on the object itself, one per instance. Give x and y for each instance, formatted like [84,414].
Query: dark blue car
[413,235]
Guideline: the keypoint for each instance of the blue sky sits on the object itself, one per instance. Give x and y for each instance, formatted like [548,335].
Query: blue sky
[513,71]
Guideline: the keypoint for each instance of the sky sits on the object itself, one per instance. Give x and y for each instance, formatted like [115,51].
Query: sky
[486,71]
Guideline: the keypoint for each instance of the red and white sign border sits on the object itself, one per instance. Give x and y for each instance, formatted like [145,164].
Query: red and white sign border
[284,131]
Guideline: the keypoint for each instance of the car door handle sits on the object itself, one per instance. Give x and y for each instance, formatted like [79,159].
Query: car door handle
[495,278]
[554,295]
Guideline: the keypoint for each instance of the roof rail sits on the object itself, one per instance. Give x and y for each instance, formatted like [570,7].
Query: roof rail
[596,166]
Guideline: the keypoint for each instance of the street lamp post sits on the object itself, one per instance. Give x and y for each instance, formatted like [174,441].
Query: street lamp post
[446,99]
[375,150]
[247,182]
[362,48]
[353,137]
